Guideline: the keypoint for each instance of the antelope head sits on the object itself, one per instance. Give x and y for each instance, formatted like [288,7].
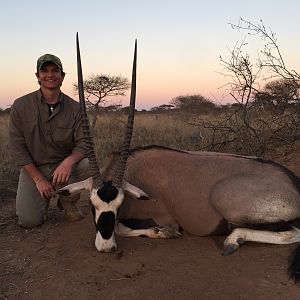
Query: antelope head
[106,197]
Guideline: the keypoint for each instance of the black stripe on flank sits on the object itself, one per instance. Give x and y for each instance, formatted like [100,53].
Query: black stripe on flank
[106,224]
[107,192]
[138,223]
[276,226]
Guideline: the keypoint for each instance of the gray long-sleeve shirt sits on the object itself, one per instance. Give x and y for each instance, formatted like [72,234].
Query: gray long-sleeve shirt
[35,137]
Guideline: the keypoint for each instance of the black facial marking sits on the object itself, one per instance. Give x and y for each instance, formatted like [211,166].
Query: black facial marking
[106,224]
[108,192]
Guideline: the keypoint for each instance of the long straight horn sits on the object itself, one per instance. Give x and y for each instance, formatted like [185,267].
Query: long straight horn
[95,171]
[128,131]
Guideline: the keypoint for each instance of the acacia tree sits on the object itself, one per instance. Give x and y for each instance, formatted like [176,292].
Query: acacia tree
[192,103]
[97,90]
[246,128]
[277,96]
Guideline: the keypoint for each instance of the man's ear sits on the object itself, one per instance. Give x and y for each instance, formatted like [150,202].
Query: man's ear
[37,76]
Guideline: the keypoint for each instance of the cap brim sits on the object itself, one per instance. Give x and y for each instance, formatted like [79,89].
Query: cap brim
[52,62]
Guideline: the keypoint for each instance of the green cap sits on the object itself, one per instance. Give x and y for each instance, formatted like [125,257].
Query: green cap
[48,58]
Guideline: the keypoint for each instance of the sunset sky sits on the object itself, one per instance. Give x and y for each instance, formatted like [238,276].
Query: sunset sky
[179,42]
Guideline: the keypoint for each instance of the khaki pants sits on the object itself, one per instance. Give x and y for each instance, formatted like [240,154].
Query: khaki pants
[31,209]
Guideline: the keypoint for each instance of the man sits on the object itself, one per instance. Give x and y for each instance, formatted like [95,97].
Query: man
[48,145]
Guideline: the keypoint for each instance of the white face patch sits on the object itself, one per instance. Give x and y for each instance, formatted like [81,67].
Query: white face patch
[103,245]
[105,215]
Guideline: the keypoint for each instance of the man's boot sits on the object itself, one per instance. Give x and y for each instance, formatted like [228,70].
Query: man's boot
[68,205]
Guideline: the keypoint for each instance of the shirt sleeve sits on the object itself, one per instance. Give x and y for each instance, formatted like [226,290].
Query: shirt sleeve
[80,141]
[19,151]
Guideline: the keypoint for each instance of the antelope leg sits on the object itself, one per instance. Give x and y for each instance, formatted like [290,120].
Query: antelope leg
[241,235]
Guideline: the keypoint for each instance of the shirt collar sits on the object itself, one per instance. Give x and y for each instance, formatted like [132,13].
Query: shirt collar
[40,97]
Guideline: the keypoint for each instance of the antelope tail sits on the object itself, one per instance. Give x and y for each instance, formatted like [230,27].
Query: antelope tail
[294,266]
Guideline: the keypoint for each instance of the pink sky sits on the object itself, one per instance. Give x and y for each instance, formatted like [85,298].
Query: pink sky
[152,89]
[179,42]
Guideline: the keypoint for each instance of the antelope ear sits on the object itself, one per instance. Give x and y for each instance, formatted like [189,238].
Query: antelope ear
[76,187]
[135,191]
[89,184]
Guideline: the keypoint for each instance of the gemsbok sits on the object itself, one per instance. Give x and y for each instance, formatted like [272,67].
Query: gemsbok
[203,193]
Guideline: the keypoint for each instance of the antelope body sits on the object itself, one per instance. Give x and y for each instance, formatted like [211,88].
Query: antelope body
[201,192]
[205,192]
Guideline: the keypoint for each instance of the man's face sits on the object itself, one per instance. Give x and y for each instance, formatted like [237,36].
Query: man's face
[50,76]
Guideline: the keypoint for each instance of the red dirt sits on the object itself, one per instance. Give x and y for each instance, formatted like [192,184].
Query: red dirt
[59,261]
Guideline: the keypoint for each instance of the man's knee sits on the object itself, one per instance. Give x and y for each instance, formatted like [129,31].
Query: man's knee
[82,171]
[30,221]
[31,213]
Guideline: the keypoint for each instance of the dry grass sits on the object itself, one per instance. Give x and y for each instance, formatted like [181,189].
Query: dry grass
[150,128]
[171,129]
[8,171]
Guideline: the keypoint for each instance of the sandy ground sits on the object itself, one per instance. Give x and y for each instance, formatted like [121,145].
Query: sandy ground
[59,261]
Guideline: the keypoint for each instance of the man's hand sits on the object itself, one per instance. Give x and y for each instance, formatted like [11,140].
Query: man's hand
[45,188]
[63,171]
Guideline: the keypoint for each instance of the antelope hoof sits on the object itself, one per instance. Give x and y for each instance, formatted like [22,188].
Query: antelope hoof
[167,232]
[230,248]
[240,241]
